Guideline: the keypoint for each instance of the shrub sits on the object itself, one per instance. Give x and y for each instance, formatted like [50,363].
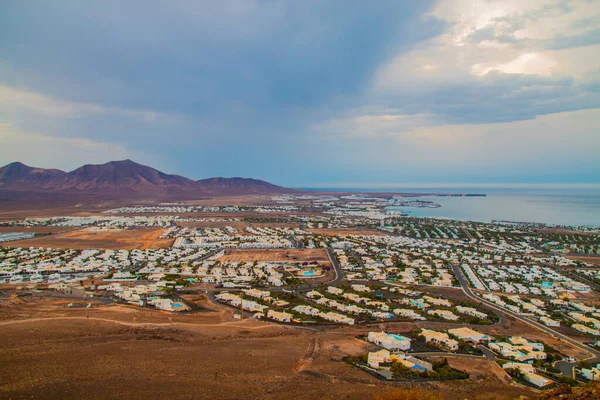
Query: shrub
[400,371]
[590,391]
[409,394]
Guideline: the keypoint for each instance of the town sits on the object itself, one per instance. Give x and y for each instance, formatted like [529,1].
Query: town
[436,290]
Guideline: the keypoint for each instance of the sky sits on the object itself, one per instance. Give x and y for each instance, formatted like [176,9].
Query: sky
[321,93]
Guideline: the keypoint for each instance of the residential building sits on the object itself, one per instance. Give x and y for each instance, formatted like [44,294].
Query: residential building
[389,341]
[439,338]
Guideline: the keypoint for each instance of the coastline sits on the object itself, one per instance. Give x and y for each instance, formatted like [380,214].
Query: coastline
[534,205]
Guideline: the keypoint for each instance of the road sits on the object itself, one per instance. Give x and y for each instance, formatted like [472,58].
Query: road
[339,274]
[209,255]
[566,368]
[487,352]
[467,290]
[595,287]
[358,258]
[442,354]
[595,358]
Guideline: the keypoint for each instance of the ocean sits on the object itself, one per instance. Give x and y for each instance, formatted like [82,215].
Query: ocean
[572,206]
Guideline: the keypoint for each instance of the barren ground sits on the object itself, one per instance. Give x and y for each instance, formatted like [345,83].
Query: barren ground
[290,255]
[91,238]
[105,352]
[591,259]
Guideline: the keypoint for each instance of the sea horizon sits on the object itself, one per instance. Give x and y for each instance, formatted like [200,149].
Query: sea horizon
[395,187]
[558,204]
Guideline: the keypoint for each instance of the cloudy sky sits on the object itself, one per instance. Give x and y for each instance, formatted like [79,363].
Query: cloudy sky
[307,93]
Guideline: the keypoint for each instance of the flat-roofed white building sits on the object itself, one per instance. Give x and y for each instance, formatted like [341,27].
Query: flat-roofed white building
[389,341]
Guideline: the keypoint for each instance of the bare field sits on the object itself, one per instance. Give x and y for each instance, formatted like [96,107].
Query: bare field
[291,255]
[108,352]
[585,258]
[91,238]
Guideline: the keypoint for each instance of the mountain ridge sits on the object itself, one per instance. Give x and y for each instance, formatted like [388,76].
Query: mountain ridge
[125,179]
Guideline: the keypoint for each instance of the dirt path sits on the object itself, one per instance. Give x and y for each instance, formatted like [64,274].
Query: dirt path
[234,324]
[314,346]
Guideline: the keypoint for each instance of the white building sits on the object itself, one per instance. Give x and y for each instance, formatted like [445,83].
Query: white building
[279,316]
[389,341]
[592,374]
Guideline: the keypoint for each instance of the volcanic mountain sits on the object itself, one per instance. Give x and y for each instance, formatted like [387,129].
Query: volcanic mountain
[238,185]
[123,175]
[20,175]
[123,179]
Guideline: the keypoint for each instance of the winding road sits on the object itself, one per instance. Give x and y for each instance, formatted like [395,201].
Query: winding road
[339,273]
[562,365]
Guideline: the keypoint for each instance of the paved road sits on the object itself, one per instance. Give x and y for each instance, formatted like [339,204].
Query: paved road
[443,354]
[358,258]
[339,274]
[467,290]
[595,358]
[487,352]
[580,278]
[209,255]
[566,368]
[466,231]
